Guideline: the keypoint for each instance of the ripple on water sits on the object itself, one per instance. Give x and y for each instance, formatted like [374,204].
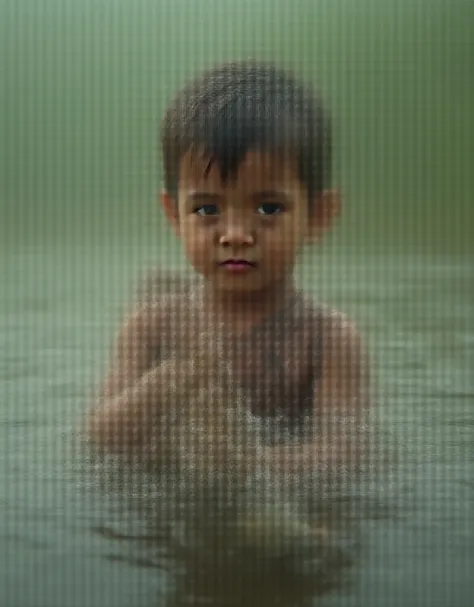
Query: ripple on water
[276,534]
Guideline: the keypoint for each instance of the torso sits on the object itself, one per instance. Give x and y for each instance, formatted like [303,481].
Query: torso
[278,361]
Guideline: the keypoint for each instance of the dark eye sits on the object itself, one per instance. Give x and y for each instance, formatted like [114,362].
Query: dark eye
[206,210]
[270,208]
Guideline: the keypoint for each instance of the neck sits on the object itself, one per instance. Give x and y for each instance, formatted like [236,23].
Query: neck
[246,308]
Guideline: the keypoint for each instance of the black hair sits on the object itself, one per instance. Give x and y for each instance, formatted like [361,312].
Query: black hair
[248,105]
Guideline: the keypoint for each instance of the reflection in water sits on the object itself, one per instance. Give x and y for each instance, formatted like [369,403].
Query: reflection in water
[212,566]
[277,542]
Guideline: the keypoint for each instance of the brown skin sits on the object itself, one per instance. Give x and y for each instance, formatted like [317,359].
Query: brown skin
[167,346]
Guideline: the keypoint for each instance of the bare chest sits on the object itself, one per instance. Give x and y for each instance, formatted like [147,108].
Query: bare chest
[277,362]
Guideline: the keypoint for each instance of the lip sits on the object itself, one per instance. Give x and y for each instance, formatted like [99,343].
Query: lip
[238,265]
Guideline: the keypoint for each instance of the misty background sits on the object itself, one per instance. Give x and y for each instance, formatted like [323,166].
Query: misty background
[84,86]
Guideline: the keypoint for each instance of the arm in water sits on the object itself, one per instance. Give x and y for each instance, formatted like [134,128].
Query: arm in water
[341,402]
[137,387]
[119,417]
[172,413]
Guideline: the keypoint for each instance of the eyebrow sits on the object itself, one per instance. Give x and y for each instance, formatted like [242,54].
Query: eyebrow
[201,196]
[196,196]
[278,194]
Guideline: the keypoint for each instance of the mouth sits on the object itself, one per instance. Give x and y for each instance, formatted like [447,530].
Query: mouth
[238,265]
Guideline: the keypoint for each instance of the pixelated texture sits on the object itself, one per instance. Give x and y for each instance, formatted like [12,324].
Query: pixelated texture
[84,86]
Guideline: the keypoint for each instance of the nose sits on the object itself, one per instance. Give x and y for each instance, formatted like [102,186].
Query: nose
[236,233]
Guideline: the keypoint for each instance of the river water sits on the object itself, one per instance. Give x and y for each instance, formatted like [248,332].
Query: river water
[85,86]
[405,536]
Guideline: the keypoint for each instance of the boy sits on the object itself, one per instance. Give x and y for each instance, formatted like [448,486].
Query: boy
[247,159]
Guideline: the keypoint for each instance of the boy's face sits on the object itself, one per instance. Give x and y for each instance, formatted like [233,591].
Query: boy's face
[244,235]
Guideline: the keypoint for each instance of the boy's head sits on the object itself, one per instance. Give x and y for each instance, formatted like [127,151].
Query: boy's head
[247,162]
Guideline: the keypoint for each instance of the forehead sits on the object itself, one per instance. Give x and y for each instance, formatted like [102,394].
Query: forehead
[257,169]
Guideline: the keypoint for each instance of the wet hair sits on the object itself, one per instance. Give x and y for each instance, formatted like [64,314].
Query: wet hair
[244,106]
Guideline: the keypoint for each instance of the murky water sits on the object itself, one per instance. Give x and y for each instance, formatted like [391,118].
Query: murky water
[73,535]
[85,86]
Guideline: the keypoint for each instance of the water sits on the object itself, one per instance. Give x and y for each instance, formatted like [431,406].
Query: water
[85,84]
[406,538]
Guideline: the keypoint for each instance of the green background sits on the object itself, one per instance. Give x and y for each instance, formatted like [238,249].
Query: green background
[84,85]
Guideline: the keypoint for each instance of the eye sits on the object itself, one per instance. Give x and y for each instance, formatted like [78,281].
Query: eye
[270,208]
[206,210]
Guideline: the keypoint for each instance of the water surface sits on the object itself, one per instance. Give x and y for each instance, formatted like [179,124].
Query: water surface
[410,539]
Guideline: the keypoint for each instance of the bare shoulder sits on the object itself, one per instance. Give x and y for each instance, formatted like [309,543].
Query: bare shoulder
[340,333]
[161,299]
[137,344]
[344,357]
[338,330]
[141,326]
[148,330]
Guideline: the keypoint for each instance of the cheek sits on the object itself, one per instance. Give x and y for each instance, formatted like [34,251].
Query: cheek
[196,242]
[285,238]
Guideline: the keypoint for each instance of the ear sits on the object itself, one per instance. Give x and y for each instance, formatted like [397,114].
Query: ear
[170,207]
[324,211]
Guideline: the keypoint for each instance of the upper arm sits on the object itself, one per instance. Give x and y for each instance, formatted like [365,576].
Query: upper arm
[134,351]
[343,399]
[345,374]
